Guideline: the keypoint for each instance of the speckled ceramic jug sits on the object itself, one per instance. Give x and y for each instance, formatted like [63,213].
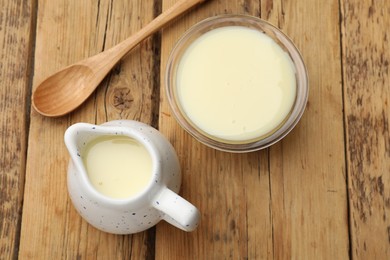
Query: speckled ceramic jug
[159,200]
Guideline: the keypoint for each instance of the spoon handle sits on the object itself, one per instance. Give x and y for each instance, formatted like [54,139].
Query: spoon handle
[174,11]
[106,60]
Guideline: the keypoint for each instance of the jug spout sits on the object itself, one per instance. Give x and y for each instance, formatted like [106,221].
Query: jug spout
[76,140]
[77,137]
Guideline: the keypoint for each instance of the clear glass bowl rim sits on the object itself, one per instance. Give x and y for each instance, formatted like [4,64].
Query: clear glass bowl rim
[275,33]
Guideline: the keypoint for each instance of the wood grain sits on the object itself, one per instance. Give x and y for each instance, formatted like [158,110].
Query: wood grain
[308,167]
[16,34]
[366,58]
[68,31]
[289,201]
[321,193]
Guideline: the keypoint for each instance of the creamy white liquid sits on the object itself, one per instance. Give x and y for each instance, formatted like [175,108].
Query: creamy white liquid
[236,83]
[117,166]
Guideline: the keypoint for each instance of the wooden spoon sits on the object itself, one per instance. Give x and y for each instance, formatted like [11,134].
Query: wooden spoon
[67,89]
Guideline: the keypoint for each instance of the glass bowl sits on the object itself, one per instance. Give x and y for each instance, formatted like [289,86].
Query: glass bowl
[274,33]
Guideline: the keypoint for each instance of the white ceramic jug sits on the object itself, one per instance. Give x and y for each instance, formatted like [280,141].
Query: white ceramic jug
[158,200]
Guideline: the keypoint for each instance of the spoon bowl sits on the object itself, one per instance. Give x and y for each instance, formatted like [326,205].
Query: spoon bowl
[67,89]
[64,91]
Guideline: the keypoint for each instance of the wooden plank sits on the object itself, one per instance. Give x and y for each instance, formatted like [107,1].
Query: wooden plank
[308,181]
[285,202]
[67,31]
[222,191]
[227,188]
[366,58]
[16,36]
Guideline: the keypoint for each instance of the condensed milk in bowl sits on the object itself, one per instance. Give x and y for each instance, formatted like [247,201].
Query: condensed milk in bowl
[236,83]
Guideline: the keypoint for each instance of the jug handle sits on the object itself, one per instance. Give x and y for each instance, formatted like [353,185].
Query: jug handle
[177,211]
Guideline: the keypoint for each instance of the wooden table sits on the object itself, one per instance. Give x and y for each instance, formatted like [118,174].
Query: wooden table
[321,193]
